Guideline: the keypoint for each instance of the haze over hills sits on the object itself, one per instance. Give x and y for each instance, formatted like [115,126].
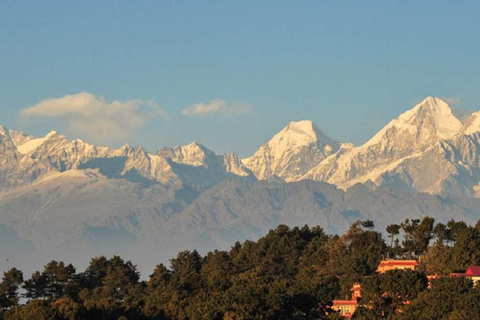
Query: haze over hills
[69,200]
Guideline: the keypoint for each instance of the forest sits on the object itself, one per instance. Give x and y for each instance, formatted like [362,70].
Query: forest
[290,273]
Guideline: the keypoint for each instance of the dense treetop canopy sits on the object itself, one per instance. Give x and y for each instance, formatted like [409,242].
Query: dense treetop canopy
[290,273]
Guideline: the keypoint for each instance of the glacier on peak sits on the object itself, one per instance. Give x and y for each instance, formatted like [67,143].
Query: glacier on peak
[429,121]
[417,150]
[193,154]
[51,134]
[472,124]
[300,133]
[292,152]
[32,144]
[203,158]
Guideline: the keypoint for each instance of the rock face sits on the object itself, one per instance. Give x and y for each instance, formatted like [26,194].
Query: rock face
[69,200]
[292,152]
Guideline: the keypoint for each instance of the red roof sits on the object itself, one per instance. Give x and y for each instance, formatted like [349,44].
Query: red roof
[400,262]
[473,271]
[456,274]
[345,302]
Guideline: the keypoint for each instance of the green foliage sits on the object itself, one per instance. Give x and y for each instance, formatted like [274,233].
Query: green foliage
[392,230]
[9,298]
[11,281]
[37,310]
[417,235]
[354,255]
[387,292]
[467,248]
[111,285]
[449,298]
[290,273]
[437,260]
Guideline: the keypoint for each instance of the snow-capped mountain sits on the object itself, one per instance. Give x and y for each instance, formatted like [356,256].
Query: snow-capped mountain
[472,124]
[426,149]
[421,149]
[292,152]
[195,164]
[26,159]
[197,155]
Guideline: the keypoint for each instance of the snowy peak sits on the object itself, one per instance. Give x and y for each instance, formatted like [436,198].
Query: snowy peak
[291,152]
[33,144]
[51,134]
[429,121]
[405,152]
[299,133]
[300,130]
[193,154]
[472,124]
[436,112]
[3,131]
[198,165]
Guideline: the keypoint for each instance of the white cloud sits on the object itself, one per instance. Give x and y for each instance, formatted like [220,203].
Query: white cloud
[95,118]
[217,106]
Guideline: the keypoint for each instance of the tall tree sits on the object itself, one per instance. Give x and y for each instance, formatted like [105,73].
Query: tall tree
[9,297]
[408,227]
[466,251]
[392,230]
[36,286]
[60,279]
[441,233]
[157,292]
[423,233]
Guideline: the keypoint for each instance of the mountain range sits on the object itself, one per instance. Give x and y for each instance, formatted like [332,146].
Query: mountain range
[71,200]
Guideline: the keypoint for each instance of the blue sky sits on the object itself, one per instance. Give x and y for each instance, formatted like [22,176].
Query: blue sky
[246,68]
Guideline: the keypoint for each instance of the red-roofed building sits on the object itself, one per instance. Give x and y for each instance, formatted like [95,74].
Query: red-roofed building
[387,265]
[347,307]
[356,289]
[472,272]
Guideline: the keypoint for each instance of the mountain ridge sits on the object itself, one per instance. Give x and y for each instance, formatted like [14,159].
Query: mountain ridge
[299,151]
